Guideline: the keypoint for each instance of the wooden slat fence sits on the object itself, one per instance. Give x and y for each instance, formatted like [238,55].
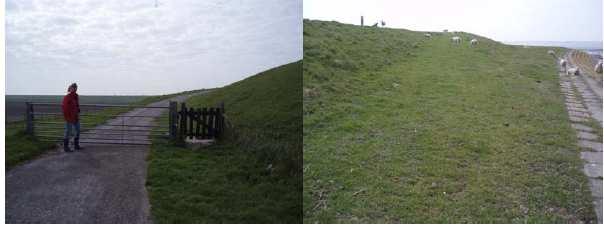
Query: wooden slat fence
[201,123]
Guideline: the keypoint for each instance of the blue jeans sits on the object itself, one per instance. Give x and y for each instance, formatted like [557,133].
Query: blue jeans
[68,129]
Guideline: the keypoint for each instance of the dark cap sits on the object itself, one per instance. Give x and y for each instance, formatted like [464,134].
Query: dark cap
[74,85]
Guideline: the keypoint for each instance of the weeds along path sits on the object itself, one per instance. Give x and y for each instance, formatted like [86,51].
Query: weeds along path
[101,184]
[445,134]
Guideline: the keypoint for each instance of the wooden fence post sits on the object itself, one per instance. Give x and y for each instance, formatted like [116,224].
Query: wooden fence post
[211,126]
[29,118]
[190,119]
[221,119]
[204,123]
[198,123]
[183,120]
[173,115]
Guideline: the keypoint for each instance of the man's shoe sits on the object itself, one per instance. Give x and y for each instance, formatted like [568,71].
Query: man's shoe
[66,145]
[76,142]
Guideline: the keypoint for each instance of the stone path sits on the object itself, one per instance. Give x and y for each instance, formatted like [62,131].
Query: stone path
[583,103]
[100,184]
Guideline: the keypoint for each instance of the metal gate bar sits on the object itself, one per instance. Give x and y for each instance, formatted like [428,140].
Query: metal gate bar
[51,128]
[105,134]
[88,138]
[86,132]
[114,134]
[60,114]
[117,143]
[61,123]
[102,142]
[110,129]
[129,130]
[101,105]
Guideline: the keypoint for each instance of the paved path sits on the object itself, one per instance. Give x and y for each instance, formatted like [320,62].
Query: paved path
[583,102]
[101,184]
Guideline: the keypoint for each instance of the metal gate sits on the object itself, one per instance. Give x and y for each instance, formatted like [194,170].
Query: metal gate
[104,124]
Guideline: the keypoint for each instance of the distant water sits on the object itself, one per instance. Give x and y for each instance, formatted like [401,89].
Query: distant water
[594,48]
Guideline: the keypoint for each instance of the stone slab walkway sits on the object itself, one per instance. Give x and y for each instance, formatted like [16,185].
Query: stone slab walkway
[584,104]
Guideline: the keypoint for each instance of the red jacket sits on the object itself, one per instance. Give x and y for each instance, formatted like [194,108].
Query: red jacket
[71,107]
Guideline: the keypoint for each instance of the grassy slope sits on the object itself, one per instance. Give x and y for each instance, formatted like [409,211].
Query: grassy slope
[21,147]
[229,182]
[398,128]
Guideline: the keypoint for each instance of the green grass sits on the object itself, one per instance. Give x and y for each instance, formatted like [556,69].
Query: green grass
[230,182]
[21,147]
[403,129]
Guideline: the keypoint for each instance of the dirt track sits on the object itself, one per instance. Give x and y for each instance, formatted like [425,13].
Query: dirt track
[101,184]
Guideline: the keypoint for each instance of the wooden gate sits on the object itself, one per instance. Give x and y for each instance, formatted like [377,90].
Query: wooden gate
[201,123]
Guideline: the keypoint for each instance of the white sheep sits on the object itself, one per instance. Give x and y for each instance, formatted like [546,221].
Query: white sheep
[552,53]
[572,71]
[563,64]
[456,39]
[598,67]
[474,42]
[428,35]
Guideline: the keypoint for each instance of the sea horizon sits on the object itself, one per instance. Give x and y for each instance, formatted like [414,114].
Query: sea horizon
[583,45]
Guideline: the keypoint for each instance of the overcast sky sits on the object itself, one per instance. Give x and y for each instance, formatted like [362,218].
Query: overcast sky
[502,20]
[117,47]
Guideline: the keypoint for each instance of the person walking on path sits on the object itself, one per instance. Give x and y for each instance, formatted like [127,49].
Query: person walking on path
[71,113]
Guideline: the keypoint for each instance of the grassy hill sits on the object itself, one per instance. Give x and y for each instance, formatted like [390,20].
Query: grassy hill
[253,174]
[399,128]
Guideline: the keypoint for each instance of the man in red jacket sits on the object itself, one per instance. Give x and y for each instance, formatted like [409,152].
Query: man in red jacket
[71,113]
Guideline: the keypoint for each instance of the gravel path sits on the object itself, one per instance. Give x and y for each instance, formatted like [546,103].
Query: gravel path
[583,99]
[101,184]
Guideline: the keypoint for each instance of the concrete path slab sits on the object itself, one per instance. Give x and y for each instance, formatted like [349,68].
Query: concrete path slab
[594,146]
[582,127]
[586,135]
[592,157]
[593,170]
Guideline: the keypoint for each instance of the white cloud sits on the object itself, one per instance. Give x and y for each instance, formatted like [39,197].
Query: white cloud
[179,45]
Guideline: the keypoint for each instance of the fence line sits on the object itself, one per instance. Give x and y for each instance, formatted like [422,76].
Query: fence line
[199,123]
